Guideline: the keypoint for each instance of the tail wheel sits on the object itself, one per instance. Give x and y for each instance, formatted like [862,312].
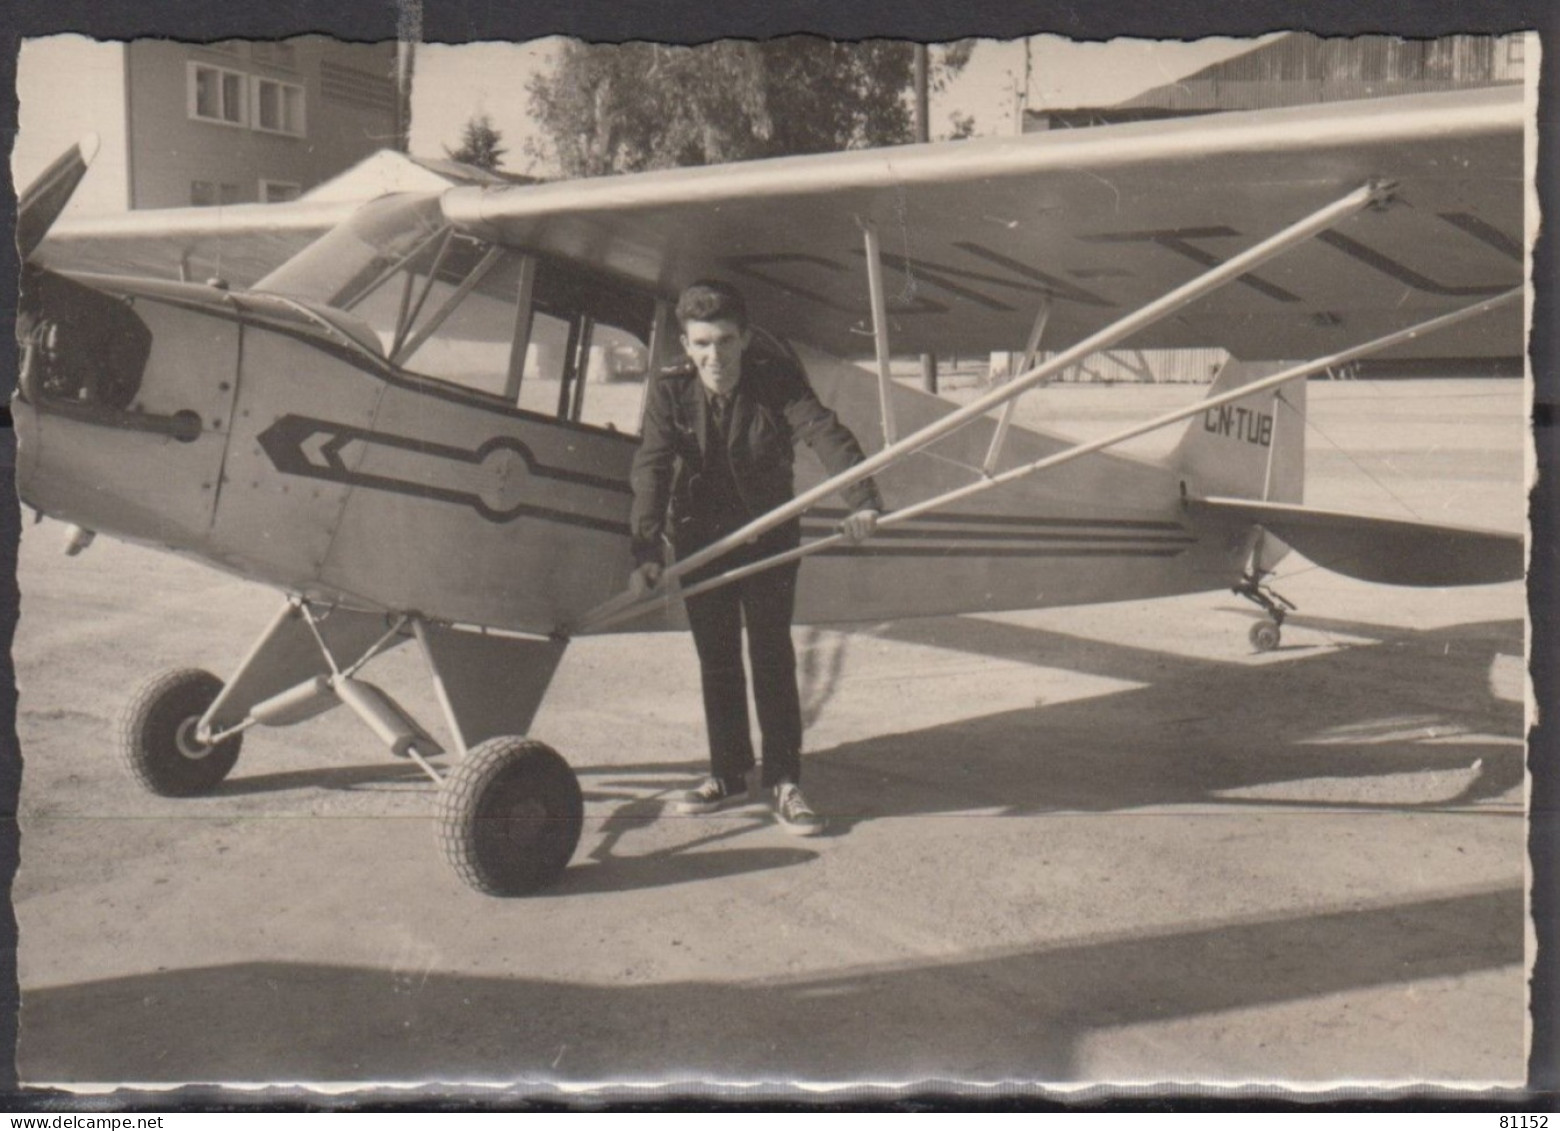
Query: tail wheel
[1264,636]
[510,816]
[157,735]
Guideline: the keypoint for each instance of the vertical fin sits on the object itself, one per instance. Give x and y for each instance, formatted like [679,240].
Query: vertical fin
[1253,448]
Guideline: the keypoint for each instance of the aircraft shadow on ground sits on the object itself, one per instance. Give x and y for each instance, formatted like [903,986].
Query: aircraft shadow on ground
[602,871]
[1196,732]
[1197,728]
[394,775]
[1015,1015]
[1407,702]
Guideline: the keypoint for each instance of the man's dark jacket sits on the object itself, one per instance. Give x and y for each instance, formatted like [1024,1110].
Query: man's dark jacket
[772,409]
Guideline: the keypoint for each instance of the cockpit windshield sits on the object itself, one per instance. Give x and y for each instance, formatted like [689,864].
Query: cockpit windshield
[492,319]
[347,259]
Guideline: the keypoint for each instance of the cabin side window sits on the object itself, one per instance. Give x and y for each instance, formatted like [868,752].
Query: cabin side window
[536,334]
[584,354]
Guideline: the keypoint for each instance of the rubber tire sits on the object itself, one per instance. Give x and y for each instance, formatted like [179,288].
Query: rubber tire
[510,816]
[1264,636]
[149,735]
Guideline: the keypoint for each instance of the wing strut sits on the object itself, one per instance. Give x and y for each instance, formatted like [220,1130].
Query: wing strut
[869,235]
[414,342]
[915,510]
[409,309]
[1031,353]
[1373,193]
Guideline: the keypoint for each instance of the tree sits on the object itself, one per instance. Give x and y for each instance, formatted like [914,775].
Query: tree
[478,144]
[609,108]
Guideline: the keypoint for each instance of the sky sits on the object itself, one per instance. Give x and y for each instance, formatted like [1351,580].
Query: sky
[454,82]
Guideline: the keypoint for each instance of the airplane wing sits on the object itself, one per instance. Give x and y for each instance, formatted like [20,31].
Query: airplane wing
[1388,551]
[975,233]
[240,243]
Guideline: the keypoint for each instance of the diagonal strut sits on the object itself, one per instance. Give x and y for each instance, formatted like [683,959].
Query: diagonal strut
[1373,193]
[1294,373]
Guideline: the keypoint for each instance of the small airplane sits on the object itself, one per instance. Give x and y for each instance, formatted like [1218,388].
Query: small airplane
[415,416]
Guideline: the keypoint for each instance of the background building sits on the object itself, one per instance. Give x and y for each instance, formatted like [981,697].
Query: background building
[220,123]
[1300,69]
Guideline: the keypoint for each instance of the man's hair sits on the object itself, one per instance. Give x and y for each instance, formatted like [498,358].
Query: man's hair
[710,300]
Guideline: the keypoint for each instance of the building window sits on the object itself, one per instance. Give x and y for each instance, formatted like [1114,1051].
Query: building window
[349,86]
[278,107]
[275,54]
[207,193]
[275,192]
[1514,46]
[216,94]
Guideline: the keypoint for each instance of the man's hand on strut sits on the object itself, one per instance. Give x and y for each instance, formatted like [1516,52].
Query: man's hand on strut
[644,579]
[859,526]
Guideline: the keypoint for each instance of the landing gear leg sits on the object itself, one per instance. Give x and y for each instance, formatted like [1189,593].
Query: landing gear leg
[511,810]
[1265,634]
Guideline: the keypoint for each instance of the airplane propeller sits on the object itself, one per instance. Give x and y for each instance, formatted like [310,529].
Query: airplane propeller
[83,351]
[49,193]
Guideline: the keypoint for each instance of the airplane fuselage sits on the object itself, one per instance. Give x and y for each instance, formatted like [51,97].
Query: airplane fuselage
[321,469]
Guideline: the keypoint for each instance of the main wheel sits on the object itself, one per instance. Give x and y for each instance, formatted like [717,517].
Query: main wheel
[1264,636]
[157,735]
[510,815]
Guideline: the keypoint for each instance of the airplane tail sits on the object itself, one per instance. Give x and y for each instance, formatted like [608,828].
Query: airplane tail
[1244,464]
[1252,448]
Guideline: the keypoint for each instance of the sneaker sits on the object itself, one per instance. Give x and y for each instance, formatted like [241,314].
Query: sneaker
[795,815]
[710,796]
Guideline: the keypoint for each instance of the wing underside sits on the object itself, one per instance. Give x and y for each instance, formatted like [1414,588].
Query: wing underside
[976,233]
[239,243]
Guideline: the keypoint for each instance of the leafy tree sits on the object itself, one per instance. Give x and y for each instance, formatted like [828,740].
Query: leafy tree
[608,108]
[479,144]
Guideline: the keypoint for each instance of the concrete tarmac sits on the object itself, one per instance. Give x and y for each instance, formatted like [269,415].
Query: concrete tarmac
[1071,846]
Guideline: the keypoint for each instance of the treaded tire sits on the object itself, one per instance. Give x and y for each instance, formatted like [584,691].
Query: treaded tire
[157,735]
[510,816]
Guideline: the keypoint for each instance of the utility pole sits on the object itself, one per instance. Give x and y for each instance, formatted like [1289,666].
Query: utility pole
[923,133]
[408,34]
[405,65]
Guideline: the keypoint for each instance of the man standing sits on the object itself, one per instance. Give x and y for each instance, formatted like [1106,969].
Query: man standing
[720,431]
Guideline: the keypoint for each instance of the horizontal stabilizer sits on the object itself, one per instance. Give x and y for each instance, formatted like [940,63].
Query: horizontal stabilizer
[1389,551]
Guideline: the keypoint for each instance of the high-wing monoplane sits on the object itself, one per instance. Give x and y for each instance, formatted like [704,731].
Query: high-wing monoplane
[414,417]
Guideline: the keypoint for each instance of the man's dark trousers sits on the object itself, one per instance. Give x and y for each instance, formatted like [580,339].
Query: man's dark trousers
[766,602]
